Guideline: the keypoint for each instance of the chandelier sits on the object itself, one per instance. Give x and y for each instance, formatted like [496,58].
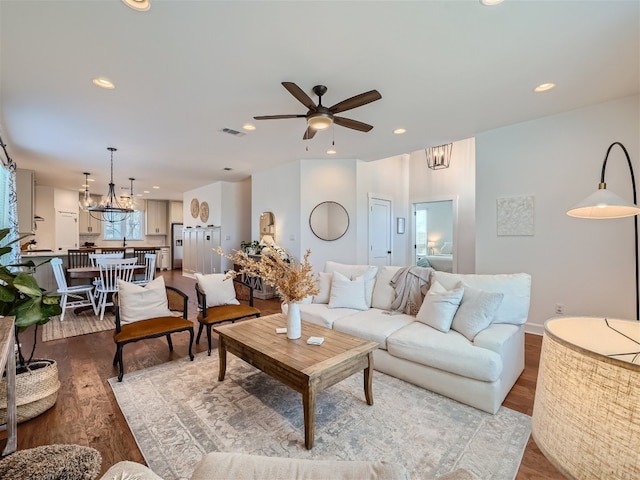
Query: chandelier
[110,209]
[439,157]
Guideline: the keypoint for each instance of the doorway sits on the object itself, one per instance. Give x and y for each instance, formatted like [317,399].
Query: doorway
[379,231]
[434,234]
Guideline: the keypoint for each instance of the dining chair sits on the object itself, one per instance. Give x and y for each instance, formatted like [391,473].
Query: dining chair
[79,257]
[82,295]
[140,252]
[94,257]
[112,270]
[149,269]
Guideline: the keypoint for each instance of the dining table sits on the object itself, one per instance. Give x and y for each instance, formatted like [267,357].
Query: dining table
[94,272]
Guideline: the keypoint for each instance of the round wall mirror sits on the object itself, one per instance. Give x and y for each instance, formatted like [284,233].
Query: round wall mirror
[329,221]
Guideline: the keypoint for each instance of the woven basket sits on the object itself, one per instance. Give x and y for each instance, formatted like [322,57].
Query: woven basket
[36,390]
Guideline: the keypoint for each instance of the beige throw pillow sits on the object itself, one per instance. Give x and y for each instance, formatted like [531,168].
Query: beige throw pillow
[218,289]
[141,303]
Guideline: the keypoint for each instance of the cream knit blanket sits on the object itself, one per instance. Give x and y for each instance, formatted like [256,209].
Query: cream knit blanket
[411,285]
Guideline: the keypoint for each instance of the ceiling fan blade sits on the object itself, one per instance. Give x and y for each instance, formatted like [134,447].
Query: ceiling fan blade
[354,124]
[275,117]
[357,101]
[309,133]
[297,92]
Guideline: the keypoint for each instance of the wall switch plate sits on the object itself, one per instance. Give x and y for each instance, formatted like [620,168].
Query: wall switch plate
[292,237]
[227,237]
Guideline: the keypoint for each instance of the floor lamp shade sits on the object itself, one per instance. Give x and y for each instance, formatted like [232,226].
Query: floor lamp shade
[586,414]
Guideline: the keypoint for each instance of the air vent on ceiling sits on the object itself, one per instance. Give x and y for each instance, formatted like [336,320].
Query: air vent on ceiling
[231,131]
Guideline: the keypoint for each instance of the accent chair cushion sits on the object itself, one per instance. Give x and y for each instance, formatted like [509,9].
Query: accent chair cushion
[476,312]
[346,293]
[440,306]
[218,289]
[139,302]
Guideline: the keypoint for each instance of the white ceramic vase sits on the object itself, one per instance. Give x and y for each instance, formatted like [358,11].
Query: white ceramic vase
[294,326]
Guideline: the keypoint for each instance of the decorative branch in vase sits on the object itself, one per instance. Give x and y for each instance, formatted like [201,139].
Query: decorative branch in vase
[292,280]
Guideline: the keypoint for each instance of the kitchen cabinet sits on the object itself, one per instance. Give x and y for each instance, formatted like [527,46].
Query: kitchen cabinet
[156,217]
[198,246]
[89,225]
[25,191]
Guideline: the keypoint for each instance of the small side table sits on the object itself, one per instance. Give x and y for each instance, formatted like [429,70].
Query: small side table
[8,361]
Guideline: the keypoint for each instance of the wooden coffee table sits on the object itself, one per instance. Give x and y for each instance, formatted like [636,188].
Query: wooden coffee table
[305,368]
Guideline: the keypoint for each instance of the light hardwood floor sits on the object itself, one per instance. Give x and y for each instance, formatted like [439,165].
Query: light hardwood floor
[86,412]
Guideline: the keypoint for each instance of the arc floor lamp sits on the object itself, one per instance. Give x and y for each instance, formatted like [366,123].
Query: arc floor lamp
[604,204]
[586,412]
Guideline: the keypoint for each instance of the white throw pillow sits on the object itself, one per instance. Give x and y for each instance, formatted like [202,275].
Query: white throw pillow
[218,289]
[476,311]
[439,306]
[324,284]
[347,293]
[351,271]
[141,303]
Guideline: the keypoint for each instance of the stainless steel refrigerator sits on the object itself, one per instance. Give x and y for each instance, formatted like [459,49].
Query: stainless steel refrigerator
[176,246]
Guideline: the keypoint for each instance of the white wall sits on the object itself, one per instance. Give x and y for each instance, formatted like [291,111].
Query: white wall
[278,191]
[229,208]
[328,180]
[585,265]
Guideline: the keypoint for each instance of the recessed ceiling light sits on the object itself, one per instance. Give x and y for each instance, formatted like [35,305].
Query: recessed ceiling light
[138,5]
[331,151]
[147,191]
[490,3]
[103,83]
[544,87]
[249,126]
[156,187]
[400,131]
[138,194]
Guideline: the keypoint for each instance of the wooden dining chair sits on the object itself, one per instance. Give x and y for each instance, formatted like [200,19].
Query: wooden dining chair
[149,263]
[79,257]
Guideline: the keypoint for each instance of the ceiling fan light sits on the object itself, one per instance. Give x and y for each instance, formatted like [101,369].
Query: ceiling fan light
[320,121]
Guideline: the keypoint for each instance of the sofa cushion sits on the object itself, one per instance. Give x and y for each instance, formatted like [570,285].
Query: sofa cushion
[516,288]
[383,293]
[352,271]
[477,310]
[374,324]
[320,314]
[439,306]
[451,352]
[347,293]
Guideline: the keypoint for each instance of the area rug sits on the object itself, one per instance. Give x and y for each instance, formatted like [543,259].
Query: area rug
[178,411]
[76,324]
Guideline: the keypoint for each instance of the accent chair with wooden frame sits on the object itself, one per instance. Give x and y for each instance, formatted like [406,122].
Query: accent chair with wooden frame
[154,327]
[209,316]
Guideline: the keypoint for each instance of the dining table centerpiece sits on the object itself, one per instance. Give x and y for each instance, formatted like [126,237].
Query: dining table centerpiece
[293,280]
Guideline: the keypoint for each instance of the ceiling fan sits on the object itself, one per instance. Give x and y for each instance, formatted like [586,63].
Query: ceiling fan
[320,117]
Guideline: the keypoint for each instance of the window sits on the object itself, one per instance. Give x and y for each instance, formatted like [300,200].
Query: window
[129,227]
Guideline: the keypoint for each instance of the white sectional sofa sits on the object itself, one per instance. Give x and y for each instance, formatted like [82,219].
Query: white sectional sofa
[475,368]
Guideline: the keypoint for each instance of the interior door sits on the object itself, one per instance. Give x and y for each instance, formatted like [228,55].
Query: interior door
[67,230]
[379,231]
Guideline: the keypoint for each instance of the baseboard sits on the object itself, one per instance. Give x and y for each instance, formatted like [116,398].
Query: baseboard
[534,328]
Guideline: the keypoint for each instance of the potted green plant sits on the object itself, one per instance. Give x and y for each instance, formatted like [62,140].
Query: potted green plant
[37,381]
[250,248]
